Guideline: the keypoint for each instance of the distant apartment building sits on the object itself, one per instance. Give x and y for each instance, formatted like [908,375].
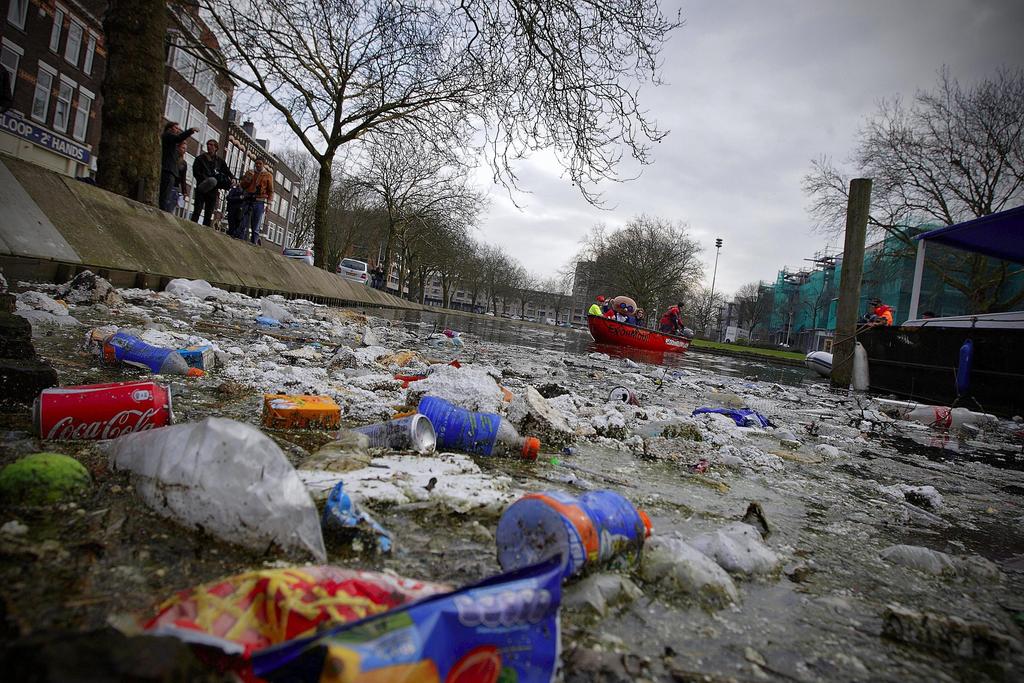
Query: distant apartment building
[53,53]
[242,149]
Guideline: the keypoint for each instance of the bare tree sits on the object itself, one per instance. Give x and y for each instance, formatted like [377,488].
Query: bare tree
[703,307]
[561,75]
[755,305]
[950,155]
[652,260]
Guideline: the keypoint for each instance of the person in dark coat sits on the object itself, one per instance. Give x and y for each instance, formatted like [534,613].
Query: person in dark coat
[210,172]
[235,202]
[169,140]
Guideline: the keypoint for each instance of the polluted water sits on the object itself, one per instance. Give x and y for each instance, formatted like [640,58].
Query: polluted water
[881,548]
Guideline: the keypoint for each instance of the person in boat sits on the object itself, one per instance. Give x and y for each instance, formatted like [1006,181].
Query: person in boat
[641,318]
[672,321]
[598,307]
[878,315]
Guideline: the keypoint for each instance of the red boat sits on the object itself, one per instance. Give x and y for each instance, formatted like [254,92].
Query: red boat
[609,331]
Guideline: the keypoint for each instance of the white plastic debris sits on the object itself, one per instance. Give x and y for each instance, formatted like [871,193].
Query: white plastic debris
[275,311]
[738,548]
[923,559]
[226,477]
[599,591]
[13,528]
[199,289]
[458,483]
[675,562]
[467,387]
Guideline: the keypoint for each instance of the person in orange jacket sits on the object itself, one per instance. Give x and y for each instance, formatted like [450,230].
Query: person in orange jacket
[879,314]
[258,185]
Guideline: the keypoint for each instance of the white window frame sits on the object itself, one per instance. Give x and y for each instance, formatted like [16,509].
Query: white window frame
[72,24]
[196,119]
[18,53]
[57,28]
[90,54]
[174,97]
[52,73]
[82,117]
[71,86]
[12,13]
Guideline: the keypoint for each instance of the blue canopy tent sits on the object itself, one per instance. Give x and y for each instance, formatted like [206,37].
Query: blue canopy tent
[1000,235]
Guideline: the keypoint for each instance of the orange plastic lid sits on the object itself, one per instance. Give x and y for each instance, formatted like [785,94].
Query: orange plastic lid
[647,523]
[531,447]
[195,372]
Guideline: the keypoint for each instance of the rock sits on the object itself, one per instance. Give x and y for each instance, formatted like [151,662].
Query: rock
[37,301]
[600,591]
[47,318]
[551,390]
[738,548]
[15,337]
[934,562]
[922,496]
[302,353]
[347,453]
[88,288]
[13,528]
[545,422]
[949,634]
[231,388]
[826,451]
[42,478]
[674,562]
[468,387]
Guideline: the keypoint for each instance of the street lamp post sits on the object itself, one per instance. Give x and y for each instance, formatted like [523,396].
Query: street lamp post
[711,299]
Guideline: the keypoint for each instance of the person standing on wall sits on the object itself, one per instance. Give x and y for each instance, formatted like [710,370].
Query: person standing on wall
[211,174]
[258,185]
[169,141]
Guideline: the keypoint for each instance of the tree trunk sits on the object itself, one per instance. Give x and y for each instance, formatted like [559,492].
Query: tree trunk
[133,95]
[323,201]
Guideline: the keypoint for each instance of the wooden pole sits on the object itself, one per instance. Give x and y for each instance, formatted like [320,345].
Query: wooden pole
[849,282]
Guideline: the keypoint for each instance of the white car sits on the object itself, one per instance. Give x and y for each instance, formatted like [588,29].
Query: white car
[354,271]
[300,254]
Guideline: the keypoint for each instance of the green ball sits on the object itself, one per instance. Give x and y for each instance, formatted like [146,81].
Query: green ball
[42,478]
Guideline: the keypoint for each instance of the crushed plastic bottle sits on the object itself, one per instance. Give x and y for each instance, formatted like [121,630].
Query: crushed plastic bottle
[124,346]
[476,433]
[593,528]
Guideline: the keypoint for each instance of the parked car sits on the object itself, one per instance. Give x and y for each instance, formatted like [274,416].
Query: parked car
[354,271]
[299,254]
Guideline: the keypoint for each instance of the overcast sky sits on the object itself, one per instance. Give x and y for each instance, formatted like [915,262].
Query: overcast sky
[755,90]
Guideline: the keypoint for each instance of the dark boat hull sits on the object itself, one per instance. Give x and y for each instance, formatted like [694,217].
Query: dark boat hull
[608,331]
[921,363]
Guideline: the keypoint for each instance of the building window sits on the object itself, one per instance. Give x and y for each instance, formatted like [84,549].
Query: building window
[90,52]
[41,99]
[16,12]
[10,55]
[74,44]
[184,64]
[196,119]
[62,110]
[176,107]
[85,99]
[220,100]
[58,24]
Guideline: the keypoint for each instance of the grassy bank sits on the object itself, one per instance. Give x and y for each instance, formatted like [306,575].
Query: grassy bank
[752,350]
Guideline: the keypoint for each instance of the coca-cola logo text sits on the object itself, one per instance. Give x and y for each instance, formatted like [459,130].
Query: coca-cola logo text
[124,422]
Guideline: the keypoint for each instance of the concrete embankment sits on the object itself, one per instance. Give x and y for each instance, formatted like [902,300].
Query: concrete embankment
[53,226]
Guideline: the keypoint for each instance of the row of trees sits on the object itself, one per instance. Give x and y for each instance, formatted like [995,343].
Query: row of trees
[493,79]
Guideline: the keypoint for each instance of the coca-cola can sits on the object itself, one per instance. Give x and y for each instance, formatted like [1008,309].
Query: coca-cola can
[101,411]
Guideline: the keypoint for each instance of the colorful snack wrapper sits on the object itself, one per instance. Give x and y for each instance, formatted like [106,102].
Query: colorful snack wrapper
[505,628]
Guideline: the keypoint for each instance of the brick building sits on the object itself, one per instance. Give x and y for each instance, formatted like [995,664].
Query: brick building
[53,52]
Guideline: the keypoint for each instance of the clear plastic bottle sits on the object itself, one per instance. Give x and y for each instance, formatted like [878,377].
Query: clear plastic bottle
[509,443]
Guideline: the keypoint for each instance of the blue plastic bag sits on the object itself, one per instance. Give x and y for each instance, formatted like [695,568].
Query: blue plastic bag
[744,417]
[342,513]
[503,628]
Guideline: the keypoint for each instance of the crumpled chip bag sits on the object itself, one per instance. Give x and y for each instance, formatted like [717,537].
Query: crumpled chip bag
[243,614]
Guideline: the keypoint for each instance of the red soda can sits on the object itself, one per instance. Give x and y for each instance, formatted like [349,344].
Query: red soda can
[101,411]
